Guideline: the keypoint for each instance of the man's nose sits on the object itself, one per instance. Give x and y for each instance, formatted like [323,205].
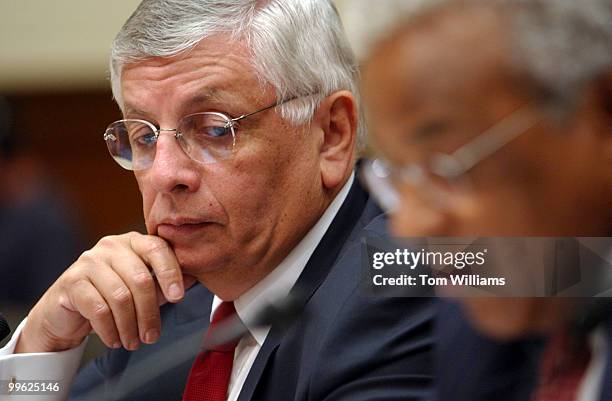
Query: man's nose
[172,169]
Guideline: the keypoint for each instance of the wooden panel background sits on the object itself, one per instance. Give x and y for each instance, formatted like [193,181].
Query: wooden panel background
[64,131]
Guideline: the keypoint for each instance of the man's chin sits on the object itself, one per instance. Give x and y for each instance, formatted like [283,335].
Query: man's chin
[195,262]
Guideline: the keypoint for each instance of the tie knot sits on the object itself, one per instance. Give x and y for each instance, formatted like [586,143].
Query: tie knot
[224,311]
[222,316]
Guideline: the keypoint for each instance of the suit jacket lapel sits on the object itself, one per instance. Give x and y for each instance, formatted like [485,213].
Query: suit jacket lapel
[317,268]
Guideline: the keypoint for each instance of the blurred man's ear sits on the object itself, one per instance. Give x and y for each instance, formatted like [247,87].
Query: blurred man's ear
[337,117]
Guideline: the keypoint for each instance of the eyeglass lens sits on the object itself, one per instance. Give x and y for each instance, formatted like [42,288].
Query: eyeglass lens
[205,137]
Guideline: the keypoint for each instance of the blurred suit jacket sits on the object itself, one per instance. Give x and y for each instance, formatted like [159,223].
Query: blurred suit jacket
[471,367]
[344,346]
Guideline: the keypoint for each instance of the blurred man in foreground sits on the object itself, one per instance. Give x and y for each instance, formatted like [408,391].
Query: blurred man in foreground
[495,120]
[240,122]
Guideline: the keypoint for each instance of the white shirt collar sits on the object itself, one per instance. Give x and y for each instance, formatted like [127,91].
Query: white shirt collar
[277,284]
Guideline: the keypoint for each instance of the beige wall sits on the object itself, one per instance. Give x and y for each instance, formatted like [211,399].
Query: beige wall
[57,44]
[50,45]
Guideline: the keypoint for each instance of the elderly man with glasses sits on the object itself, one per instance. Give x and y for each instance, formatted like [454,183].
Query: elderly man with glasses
[240,123]
[493,119]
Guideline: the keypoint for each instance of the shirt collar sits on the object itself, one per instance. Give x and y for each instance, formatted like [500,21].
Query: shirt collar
[279,282]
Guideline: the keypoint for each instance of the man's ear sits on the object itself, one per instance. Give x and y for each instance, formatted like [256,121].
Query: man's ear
[338,119]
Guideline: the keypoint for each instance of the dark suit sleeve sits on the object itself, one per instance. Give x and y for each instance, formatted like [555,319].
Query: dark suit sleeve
[377,349]
[113,374]
[96,375]
[472,367]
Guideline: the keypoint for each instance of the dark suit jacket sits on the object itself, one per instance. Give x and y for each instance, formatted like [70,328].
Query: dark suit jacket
[345,345]
[471,367]
[606,391]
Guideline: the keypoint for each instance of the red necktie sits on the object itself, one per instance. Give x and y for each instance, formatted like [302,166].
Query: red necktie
[210,373]
[564,364]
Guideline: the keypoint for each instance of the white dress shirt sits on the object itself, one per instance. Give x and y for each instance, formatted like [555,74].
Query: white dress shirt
[273,287]
[592,383]
[57,366]
[62,366]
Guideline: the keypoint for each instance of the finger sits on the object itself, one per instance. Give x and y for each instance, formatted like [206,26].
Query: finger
[161,258]
[188,282]
[87,301]
[137,276]
[120,300]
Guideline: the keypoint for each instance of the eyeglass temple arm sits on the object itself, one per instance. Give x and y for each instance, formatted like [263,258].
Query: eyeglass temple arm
[242,117]
[495,138]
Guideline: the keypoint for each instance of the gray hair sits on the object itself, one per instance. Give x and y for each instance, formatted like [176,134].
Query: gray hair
[560,46]
[298,46]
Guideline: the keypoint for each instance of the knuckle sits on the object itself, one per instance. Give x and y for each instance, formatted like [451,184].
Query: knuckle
[166,273]
[143,280]
[70,277]
[122,296]
[79,288]
[156,245]
[149,319]
[62,301]
[89,258]
[99,311]
[133,235]
[88,263]
[107,242]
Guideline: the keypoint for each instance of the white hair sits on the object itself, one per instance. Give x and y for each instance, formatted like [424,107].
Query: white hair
[558,45]
[298,46]
[562,45]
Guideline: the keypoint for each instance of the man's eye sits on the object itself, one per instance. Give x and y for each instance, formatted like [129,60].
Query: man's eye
[143,139]
[147,139]
[213,132]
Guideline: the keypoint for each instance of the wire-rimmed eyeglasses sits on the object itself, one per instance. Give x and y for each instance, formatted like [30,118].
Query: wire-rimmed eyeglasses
[442,170]
[206,137]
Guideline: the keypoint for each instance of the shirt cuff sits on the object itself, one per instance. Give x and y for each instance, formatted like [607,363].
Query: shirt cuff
[42,367]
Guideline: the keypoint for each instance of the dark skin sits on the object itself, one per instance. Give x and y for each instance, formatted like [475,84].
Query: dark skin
[444,79]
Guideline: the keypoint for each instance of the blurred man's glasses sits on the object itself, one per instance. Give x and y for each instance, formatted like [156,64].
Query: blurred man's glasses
[206,137]
[444,172]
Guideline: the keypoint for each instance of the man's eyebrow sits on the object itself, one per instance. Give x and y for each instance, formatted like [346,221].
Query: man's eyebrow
[131,110]
[204,96]
[207,96]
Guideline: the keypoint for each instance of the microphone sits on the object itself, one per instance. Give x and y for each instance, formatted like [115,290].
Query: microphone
[5,330]
[282,312]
